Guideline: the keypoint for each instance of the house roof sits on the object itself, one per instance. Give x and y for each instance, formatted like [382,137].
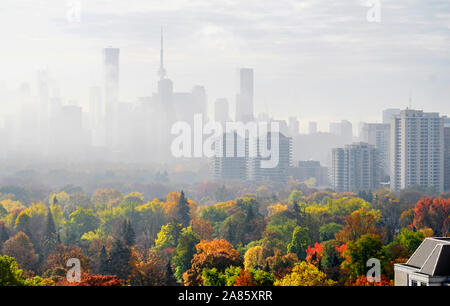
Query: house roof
[432,257]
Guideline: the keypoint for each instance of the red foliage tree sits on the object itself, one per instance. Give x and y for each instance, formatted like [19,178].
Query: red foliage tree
[89,280]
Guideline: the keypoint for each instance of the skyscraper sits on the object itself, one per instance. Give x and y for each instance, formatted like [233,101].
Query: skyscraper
[417,150]
[244,100]
[221,112]
[111,70]
[355,167]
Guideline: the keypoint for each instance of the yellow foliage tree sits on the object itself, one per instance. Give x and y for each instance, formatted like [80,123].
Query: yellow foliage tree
[305,274]
[254,257]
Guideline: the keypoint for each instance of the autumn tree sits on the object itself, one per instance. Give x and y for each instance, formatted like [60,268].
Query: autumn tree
[218,254]
[55,265]
[89,280]
[305,274]
[433,213]
[183,210]
[254,257]
[21,248]
[168,236]
[103,262]
[150,271]
[244,278]
[358,223]
[202,228]
[362,281]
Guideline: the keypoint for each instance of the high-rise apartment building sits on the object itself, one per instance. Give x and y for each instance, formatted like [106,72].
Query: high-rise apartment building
[244,100]
[379,135]
[417,150]
[447,158]
[355,167]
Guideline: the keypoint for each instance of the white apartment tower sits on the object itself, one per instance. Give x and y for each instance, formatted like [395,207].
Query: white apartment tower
[355,167]
[417,150]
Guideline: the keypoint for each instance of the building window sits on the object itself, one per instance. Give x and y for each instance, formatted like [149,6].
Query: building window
[414,283]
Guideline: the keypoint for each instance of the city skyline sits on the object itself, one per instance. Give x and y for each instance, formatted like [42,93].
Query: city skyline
[358,76]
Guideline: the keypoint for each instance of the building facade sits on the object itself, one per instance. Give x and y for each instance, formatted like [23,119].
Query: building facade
[417,150]
[355,167]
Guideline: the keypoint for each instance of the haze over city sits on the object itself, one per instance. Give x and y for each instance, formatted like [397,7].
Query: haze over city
[317,60]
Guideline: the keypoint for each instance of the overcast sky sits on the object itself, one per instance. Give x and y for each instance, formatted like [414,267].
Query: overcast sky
[315,59]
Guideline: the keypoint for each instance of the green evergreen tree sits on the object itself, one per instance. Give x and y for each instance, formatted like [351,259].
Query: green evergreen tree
[119,258]
[170,278]
[50,235]
[183,210]
[103,264]
[127,233]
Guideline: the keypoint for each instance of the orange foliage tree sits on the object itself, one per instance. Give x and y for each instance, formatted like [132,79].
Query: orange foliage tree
[244,278]
[218,253]
[89,280]
[362,281]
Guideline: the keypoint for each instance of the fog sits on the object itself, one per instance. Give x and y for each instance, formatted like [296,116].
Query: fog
[98,81]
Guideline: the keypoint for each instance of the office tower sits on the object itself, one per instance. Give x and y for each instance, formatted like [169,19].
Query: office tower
[355,167]
[311,169]
[244,100]
[379,135]
[417,150]
[279,173]
[447,158]
[111,70]
[294,126]
[312,127]
[221,112]
[389,114]
[43,88]
[346,131]
[199,101]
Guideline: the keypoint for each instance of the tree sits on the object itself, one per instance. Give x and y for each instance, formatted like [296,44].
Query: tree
[21,248]
[11,275]
[55,266]
[103,264]
[299,243]
[305,274]
[254,258]
[89,280]
[362,281]
[183,210]
[359,223]
[202,228]
[127,233]
[218,254]
[244,278]
[4,236]
[327,231]
[170,278]
[50,235]
[119,258]
[185,251]
[359,252]
[81,221]
[433,213]
[168,236]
